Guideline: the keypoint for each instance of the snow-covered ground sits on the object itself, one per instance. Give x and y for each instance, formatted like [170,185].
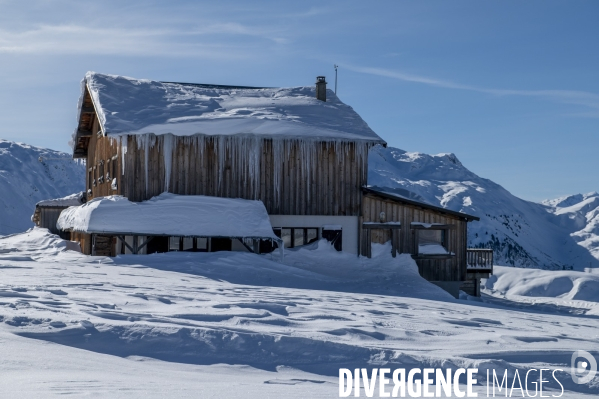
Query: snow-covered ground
[243,325]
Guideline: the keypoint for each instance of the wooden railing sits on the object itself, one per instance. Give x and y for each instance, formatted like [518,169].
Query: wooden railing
[479,260]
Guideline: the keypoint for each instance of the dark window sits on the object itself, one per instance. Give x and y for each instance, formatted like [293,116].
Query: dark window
[158,245]
[220,244]
[334,236]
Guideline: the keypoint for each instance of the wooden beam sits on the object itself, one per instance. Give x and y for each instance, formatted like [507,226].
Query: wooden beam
[122,238]
[88,110]
[84,133]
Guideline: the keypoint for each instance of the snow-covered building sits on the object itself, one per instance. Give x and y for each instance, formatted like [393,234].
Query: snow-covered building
[304,158]
[47,212]
[300,151]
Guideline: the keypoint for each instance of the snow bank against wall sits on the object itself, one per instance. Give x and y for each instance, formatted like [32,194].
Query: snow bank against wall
[170,214]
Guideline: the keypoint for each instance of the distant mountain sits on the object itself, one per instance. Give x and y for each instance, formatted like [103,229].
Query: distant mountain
[25,179]
[556,234]
[578,214]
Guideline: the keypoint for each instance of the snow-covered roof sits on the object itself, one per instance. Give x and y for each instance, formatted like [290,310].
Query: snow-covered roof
[137,106]
[75,199]
[170,215]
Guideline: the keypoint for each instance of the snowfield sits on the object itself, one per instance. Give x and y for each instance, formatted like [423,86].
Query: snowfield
[242,325]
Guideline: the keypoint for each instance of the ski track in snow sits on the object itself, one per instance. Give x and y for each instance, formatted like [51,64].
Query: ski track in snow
[226,320]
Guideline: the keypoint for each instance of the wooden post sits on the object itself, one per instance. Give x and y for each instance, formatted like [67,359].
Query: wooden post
[393,242]
[135,245]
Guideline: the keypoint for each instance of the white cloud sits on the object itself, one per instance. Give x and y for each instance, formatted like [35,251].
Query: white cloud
[77,39]
[584,98]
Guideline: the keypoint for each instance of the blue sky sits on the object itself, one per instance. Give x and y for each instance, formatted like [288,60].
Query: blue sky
[512,88]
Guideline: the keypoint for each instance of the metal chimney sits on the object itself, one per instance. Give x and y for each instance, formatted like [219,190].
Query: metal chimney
[321,88]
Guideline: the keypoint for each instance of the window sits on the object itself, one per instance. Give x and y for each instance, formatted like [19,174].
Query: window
[334,235]
[189,244]
[430,239]
[173,243]
[294,237]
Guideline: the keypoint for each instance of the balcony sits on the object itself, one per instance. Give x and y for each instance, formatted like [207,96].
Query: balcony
[479,260]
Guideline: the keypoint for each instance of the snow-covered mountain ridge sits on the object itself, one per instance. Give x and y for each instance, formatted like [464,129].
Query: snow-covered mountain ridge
[555,234]
[26,180]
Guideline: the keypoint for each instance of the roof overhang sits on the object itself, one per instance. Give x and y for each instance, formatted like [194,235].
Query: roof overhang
[85,125]
[424,205]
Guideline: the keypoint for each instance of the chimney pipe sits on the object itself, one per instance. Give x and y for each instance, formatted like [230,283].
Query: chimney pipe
[321,88]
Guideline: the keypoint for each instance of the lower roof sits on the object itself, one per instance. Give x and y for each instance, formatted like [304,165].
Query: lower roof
[170,215]
[389,195]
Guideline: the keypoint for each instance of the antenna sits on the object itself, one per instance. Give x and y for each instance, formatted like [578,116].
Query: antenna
[336,66]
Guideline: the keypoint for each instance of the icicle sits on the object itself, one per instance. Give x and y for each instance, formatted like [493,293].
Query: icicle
[123,152]
[168,159]
[143,142]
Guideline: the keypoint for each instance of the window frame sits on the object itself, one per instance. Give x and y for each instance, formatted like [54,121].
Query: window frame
[445,228]
[278,233]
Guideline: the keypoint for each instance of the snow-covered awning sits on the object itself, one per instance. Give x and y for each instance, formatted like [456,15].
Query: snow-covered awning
[128,106]
[170,215]
[75,199]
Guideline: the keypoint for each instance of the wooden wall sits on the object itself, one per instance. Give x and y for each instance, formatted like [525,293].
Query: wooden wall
[290,177]
[450,269]
[101,153]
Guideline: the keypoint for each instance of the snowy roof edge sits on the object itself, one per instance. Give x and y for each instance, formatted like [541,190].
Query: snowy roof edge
[319,131]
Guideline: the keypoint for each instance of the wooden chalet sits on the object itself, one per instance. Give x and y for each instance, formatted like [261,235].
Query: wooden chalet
[300,151]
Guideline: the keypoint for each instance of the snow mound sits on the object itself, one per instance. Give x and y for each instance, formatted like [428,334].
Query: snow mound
[566,284]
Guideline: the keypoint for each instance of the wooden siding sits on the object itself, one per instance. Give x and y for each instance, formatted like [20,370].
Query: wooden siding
[47,217]
[291,178]
[84,241]
[101,153]
[450,269]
